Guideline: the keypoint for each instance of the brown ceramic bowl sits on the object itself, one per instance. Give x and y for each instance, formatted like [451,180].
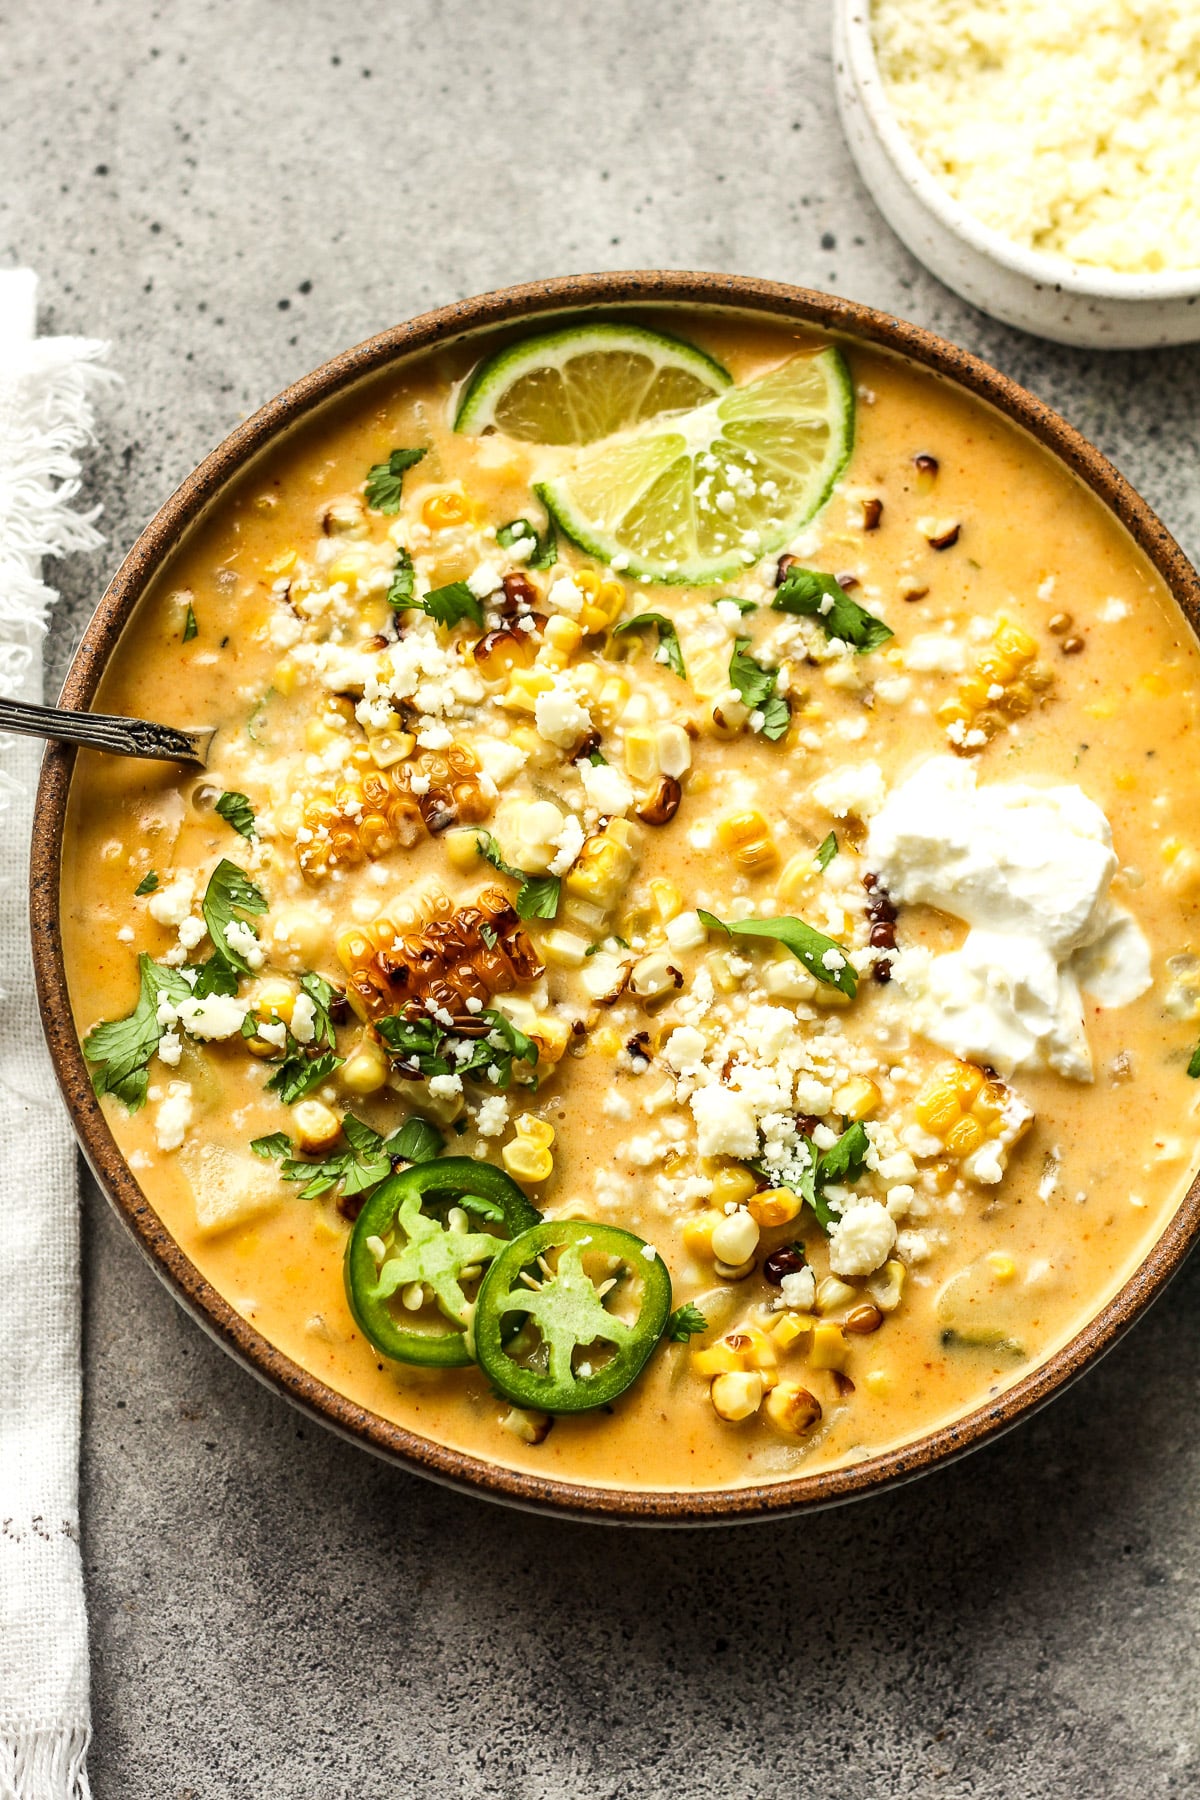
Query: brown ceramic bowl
[538,302]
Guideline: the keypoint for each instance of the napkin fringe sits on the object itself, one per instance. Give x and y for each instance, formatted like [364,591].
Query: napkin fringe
[45,1763]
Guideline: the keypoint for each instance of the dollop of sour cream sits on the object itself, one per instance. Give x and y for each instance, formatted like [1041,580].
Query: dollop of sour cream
[1028,870]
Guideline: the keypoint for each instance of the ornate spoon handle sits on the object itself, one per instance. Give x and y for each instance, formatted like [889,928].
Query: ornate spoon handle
[102,731]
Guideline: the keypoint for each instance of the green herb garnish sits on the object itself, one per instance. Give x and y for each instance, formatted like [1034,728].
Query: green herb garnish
[538,895]
[451,604]
[756,689]
[298,1074]
[229,896]
[190,627]
[364,1164]
[122,1048]
[277,1144]
[827,851]
[385,480]
[684,1323]
[810,946]
[544,554]
[669,650]
[237,811]
[419,1045]
[814,595]
[1193,1067]
[743,606]
[400,593]
[323,997]
[148,884]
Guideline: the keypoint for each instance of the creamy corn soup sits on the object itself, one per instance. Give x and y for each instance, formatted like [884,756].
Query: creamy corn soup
[779,916]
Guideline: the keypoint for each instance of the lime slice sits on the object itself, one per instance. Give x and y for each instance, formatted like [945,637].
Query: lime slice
[695,499]
[583,383]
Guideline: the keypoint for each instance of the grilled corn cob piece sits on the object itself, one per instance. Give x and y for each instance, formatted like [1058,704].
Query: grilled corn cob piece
[364,813]
[454,955]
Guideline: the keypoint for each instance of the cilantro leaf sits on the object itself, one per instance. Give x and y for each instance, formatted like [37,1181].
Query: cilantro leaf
[743,606]
[843,1162]
[415,1044]
[298,1074]
[122,1048]
[148,884]
[827,851]
[669,650]
[229,895]
[385,480]
[277,1144]
[237,811]
[684,1323]
[544,554]
[216,976]
[190,627]
[538,895]
[451,604]
[815,595]
[323,996]
[400,593]
[419,1045]
[417,1141]
[756,689]
[1193,1067]
[805,942]
[516,1047]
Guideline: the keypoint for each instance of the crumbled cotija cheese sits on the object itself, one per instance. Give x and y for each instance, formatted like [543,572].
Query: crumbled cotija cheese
[1070,128]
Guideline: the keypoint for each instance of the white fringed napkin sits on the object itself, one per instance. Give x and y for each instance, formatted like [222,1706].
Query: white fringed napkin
[45,416]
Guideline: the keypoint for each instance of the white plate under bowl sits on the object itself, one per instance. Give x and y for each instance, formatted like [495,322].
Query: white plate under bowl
[1068,302]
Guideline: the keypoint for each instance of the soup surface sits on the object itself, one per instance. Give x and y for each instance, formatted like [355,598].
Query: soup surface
[832,930]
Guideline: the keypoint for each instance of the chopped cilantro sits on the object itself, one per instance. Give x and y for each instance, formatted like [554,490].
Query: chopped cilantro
[827,851]
[385,480]
[148,884]
[810,946]
[298,1074]
[743,606]
[122,1048]
[451,604]
[544,554]
[230,894]
[538,895]
[323,997]
[684,1323]
[756,689]
[669,650]
[276,1144]
[237,811]
[400,593]
[363,1165]
[416,1141]
[1193,1067]
[418,1046]
[818,596]
[190,627]
[842,1162]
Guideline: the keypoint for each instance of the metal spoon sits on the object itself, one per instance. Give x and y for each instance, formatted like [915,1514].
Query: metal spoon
[103,731]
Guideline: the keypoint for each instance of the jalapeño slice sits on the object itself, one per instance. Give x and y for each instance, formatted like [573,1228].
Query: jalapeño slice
[573,1351]
[422,1248]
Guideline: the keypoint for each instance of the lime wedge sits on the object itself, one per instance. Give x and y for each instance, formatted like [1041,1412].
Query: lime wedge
[694,499]
[585,382]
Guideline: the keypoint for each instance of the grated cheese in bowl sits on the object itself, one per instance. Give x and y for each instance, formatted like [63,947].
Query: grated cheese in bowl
[1071,129]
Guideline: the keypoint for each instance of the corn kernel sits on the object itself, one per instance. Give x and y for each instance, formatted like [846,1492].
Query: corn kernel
[524,686]
[641,753]
[727,1355]
[964,1136]
[668,901]
[698,1231]
[737,1396]
[275,997]
[443,511]
[967,1079]
[789,1328]
[746,838]
[462,849]
[1002,1265]
[857,1098]
[527,1161]
[564,949]
[390,747]
[735,1238]
[792,1410]
[538,1131]
[282,564]
[829,1347]
[887,1286]
[317,1127]
[878,1383]
[612,698]
[732,1187]
[795,878]
[365,1071]
[777,1206]
[833,1294]
[563,634]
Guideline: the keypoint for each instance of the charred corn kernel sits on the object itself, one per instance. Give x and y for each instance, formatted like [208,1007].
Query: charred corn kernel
[789,1328]
[776,1206]
[761,1350]
[527,1161]
[727,1355]
[735,1238]
[538,1131]
[284,677]
[641,753]
[317,1127]
[833,1295]
[1004,684]
[746,839]
[365,1070]
[603,867]
[728,717]
[887,1287]
[551,1036]
[362,813]
[390,747]
[698,1233]
[792,1410]
[988,1103]
[444,954]
[737,1396]
[1001,1264]
[444,510]
[564,949]
[732,1187]
[829,1347]
[857,1098]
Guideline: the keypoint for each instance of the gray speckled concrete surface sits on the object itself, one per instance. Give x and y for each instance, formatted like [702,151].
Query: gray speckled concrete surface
[230,192]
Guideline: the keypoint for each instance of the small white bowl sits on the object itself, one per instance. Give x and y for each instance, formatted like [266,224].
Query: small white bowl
[1068,302]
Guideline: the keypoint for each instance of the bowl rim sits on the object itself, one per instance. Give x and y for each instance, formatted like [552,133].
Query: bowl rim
[1057,273]
[528,302]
